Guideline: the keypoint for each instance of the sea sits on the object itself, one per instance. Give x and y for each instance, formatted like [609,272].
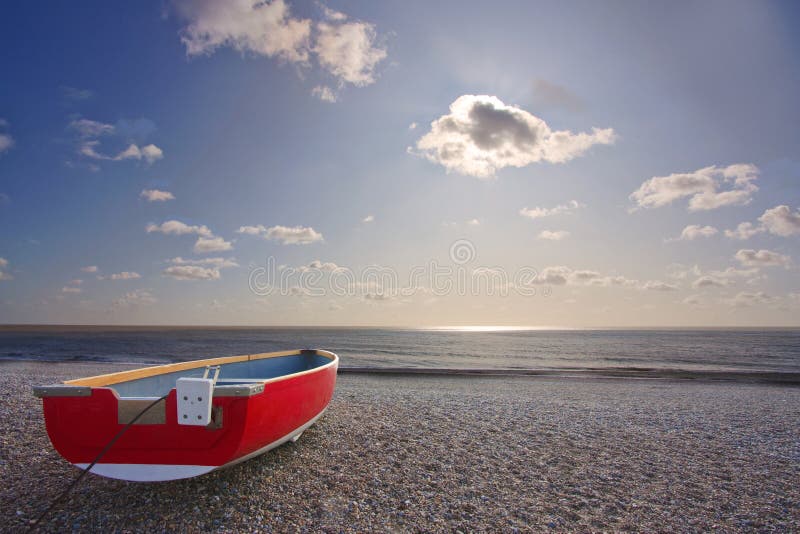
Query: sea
[696,350]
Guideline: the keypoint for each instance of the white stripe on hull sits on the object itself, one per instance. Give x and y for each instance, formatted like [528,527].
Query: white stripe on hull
[164,472]
[148,472]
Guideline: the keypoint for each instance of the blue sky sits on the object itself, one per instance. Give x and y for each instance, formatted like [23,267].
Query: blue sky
[612,147]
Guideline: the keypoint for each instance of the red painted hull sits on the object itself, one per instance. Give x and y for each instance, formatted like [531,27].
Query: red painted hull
[80,427]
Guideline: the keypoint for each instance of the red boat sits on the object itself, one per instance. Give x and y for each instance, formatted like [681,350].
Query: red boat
[212,413]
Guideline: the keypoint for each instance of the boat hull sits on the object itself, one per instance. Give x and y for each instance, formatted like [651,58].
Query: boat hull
[161,449]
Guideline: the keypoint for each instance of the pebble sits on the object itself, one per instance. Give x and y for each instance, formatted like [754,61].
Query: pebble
[449,454]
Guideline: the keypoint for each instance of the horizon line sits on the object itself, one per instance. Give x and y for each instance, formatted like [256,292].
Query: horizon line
[462,328]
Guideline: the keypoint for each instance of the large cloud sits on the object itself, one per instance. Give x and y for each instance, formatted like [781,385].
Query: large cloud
[703,187]
[345,48]
[482,135]
[348,51]
[265,28]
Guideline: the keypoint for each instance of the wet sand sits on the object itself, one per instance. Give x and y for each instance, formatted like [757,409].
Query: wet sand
[446,453]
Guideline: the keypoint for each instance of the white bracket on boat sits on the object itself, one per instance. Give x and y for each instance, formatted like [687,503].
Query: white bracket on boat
[194,398]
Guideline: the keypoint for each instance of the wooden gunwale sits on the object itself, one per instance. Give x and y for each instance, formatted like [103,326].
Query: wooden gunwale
[145,372]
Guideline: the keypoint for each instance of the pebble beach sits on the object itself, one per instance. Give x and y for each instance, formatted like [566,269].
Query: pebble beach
[419,453]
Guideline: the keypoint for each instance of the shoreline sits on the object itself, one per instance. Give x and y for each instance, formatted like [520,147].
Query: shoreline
[588,373]
[444,453]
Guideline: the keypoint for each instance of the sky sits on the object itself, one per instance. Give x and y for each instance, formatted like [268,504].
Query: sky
[554,164]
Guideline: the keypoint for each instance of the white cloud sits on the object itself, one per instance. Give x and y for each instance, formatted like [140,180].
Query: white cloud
[6,142]
[474,222]
[701,186]
[192,272]
[211,244]
[324,93]
[724,278]
[3,266]
[156,195]
[658,285]
[412,126]
[482,135]
[555,276]
[214,262]
[73,290]
[89,131]
[556,235]
[368,219]
[710,281]
[695,231]
[89,269]
[173,227]
[197,269]
[125,275]
[747,298]
[536,213]
[732,272]
[348,50]
[745,230]
[76,282]
[762,258]
[264,28]
[781,221]
[295,235]
[561,275]
[140,297]
[149,153]
[252,230]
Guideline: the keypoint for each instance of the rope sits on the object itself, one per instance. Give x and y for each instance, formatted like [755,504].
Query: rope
[75,482]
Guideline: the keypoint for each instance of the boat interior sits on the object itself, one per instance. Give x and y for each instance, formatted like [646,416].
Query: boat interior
[257,369]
